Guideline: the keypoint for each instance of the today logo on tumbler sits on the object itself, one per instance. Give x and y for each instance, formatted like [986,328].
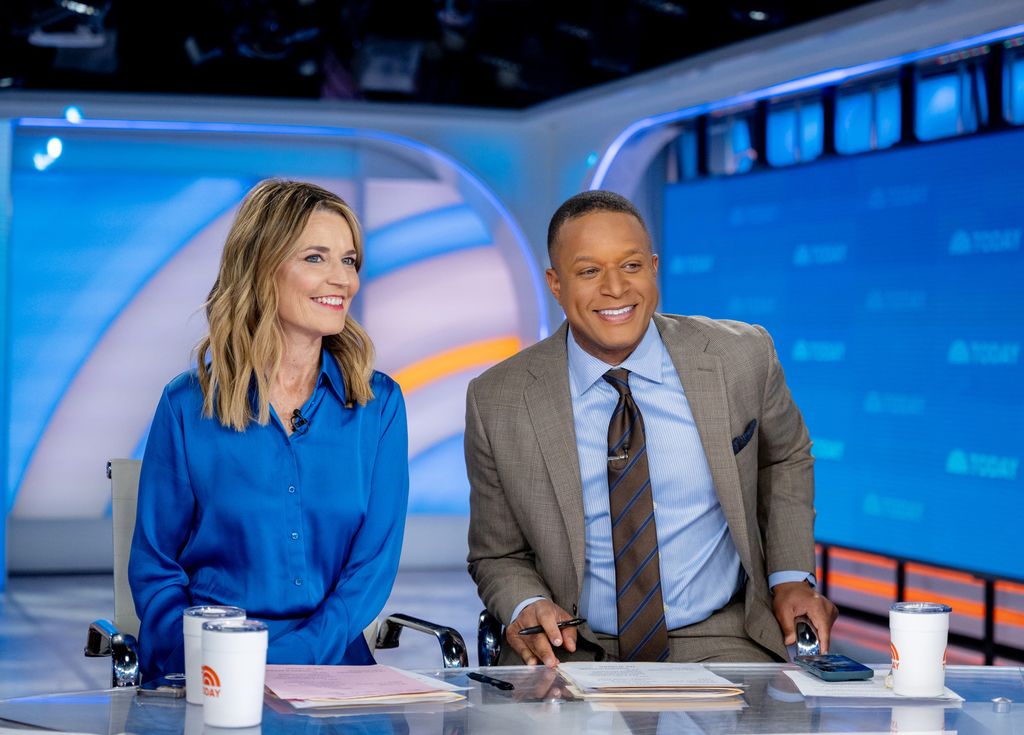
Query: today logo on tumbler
[896,657]
[211,682]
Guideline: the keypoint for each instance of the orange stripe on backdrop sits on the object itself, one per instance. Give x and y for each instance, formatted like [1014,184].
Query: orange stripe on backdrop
[876,638]
[944,574]
[862,557]
[1012,587]
[868,586]
[877,588]
[967,608]
[970,608]
[887,590]
[464,357]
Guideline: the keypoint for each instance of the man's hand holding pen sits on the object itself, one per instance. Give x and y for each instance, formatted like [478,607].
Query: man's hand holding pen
[562,624]
[540,626]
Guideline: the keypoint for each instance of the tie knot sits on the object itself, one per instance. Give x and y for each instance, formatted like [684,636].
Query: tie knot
[618,378]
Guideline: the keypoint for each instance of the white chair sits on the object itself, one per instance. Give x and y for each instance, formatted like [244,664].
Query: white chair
[117,639]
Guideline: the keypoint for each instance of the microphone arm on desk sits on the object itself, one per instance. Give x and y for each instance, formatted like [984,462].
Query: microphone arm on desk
[807,643]
[453,647]
[106,640]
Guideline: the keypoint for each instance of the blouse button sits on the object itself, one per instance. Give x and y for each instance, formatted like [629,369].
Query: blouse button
[291,488]
[295,536]
[298,581]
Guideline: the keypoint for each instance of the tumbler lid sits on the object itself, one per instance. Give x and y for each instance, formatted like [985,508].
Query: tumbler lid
[920,607]
[214,611]
[235,626]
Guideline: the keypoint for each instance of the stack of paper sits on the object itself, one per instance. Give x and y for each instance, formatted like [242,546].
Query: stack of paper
[874,688]
[305,687]
[643,680]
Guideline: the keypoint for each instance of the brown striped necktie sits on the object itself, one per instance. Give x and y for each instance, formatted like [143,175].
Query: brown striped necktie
[643,635]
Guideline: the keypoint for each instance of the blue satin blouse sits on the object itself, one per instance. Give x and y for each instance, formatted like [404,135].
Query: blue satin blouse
[303,531]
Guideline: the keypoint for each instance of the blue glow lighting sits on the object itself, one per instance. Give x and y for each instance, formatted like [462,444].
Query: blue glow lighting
[781,144]
[802,84]
[853,121]
[41,161]
[73,115]
[943,99]
[433,233]
[742,145]
[861,111]
[1015,90]
[949,104]
[982,94]
[812,130]
[888,120]
[136,251]
[324,131]
[434,488]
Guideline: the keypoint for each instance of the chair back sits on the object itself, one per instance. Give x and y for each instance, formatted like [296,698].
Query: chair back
[124,490]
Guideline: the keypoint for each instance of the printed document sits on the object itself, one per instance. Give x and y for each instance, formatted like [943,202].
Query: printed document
[646,679]
[874,688]
[321,686]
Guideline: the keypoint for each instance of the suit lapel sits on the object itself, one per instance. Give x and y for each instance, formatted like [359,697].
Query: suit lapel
[550,407]
[704,384]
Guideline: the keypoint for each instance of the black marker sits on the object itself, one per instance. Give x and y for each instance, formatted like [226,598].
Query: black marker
[485,679]
[533,629]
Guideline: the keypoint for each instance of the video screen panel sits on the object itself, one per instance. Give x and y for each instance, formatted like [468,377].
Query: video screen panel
[893,285]
[114,245]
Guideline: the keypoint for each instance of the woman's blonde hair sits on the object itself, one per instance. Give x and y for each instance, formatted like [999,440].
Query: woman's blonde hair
[244,344]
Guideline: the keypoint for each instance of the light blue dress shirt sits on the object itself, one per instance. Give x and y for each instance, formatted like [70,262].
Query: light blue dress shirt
[303,531]
[700,568]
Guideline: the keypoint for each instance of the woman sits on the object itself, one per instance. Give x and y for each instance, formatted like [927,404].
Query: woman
[275,476]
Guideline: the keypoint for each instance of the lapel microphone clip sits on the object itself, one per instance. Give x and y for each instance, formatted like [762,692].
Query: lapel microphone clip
[300,424]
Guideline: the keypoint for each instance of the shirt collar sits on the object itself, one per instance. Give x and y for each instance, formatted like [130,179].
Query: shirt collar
[330,375]
[646,361]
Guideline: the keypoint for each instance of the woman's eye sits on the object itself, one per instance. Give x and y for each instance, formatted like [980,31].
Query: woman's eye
[348,260]
[314,258]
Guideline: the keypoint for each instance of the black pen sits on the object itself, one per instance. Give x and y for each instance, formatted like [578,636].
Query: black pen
[533,629]
[485,679]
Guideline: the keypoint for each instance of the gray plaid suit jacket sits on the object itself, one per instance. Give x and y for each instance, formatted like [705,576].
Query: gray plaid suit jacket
[526,532]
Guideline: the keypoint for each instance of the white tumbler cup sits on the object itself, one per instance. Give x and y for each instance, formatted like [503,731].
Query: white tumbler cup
[234,669]
[918,633]
[192,626]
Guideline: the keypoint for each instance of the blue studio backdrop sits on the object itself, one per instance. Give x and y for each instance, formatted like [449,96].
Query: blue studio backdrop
[892,285]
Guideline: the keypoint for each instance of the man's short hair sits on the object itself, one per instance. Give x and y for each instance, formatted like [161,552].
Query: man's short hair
[587,202]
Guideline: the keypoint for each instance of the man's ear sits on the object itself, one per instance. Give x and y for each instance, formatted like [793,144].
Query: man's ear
[654,262]
[554,284]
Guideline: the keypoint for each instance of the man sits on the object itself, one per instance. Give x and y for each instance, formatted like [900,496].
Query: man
[647,472]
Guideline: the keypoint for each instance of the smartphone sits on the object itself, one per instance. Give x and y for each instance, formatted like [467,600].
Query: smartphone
[834,667]
[171,686]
